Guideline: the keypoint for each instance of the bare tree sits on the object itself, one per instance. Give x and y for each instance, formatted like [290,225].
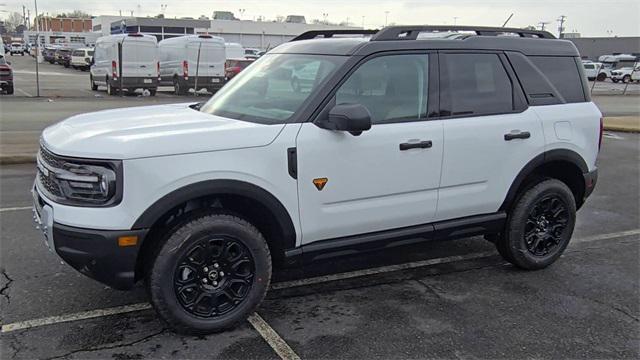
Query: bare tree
[76,14]
[13,20]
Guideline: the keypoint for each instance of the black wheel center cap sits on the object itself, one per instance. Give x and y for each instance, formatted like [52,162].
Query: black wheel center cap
[213,275]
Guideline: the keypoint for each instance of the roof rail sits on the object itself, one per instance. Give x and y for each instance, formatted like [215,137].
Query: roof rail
[312,34]
[411,32]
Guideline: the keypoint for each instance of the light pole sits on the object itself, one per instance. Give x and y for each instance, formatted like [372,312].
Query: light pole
[386,17]
[241,11]
[324,17]
[363,21]
[455,20]
[35,2]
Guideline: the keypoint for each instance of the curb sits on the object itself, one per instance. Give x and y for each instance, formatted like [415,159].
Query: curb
[621,129]
[17,159]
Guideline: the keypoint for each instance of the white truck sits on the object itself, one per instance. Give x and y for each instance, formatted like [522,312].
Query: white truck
[186,60]
[137,67]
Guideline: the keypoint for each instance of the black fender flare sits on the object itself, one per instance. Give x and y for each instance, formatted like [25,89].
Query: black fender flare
[221,187]
[544,158]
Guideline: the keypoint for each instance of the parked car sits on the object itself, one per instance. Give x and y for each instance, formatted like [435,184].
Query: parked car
[594,70]
[140,66]
[250,53]
[81,58]
[202,201]
[180,62]
[49,54]
[623,74]
[6,76]
[614,62]
[62,56]
[233,67]
[17,48]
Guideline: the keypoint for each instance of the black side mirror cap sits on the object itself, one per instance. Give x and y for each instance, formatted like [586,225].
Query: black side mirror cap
[354,118]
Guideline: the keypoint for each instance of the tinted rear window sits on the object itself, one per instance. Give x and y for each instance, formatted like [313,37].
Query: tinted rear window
[563,73]
[474,84]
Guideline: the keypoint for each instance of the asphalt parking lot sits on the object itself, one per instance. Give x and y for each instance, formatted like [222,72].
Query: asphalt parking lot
[435,300]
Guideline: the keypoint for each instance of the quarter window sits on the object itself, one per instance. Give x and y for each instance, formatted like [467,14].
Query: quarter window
[563,73]
[393,88]
[474,84]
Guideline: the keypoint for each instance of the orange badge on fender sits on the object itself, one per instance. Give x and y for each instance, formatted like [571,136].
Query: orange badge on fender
[320,183]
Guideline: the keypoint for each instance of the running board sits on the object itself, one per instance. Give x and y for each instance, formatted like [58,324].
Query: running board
[350,245]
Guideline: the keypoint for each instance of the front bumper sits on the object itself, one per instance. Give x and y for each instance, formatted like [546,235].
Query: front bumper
[94,253]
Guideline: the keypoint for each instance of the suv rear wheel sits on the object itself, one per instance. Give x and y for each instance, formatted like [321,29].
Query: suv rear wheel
[211,273]
[540,226]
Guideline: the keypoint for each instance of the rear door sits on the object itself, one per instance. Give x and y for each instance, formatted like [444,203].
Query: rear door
[139,58]
[211,59]
[388,176]
[489,132]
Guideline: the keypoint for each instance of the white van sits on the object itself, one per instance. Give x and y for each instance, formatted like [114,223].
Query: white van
[140,67]
[234,51]
[180,65]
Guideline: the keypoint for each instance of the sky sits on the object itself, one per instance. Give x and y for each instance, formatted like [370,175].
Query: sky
[589,17]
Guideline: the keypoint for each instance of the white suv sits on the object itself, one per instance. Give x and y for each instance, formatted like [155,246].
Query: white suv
[396,140]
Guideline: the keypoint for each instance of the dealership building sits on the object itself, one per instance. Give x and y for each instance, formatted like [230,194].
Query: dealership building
[251,34]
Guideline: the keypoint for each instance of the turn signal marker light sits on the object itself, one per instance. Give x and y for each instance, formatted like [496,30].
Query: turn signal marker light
[124,241]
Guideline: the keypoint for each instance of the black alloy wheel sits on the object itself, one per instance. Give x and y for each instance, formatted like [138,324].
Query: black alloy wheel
[545,225]
[214,276]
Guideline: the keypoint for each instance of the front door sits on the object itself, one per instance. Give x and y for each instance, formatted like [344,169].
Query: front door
[386,177]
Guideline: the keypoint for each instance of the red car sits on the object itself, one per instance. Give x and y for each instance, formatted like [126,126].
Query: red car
[234,66]
[6,76]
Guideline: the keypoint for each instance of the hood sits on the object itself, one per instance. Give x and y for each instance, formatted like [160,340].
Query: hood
[150,131]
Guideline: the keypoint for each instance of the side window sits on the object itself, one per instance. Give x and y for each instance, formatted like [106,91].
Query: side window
[563,73]
[474,84]
[393,88]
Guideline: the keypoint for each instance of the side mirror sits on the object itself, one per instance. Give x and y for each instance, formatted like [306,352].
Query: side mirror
[354,118]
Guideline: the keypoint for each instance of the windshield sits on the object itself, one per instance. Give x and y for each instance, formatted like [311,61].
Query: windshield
[273,88]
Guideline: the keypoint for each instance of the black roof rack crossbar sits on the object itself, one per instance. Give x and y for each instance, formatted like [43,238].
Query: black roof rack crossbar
[411,32]
[312,34]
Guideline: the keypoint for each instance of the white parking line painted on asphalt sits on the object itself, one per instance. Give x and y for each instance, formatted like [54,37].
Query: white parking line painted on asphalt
[16,208]
[24,93]
[284,285]
[74,317]
[272,338]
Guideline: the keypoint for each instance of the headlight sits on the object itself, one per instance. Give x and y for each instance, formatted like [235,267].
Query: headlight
[82,182]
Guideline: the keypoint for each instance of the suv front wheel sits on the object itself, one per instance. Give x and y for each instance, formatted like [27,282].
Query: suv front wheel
[539,226]
[211,273]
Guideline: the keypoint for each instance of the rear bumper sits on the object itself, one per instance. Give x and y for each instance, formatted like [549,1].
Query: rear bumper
[96,254]
[211,82]
[590,180]
[135,82]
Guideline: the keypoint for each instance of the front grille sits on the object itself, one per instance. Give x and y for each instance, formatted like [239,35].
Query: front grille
[48,183]
[51,159]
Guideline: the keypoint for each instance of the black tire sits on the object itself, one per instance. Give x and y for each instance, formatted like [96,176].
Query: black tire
[601,77]
[178,88]
[534,238]
[94,86]
[626,79]
[195,243]
[152,92]
[10,89]
[614,80]
[110,89]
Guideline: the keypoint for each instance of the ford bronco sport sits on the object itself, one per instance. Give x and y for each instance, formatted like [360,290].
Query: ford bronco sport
[406,134]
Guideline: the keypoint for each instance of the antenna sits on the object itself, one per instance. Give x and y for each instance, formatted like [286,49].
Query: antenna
[506,21]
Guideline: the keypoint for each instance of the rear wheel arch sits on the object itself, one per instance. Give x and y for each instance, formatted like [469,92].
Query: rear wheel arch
[245,200]
[562,164]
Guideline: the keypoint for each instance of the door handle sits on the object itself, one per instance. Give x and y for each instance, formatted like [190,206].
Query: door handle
[418,145]
[517,135]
